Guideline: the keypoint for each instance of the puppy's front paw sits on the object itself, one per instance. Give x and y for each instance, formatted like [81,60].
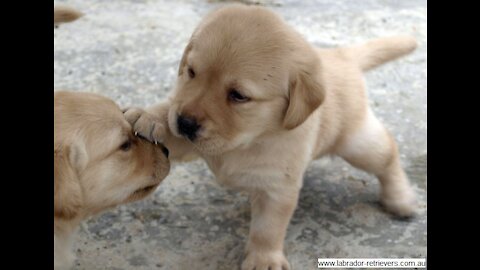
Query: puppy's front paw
[145,124]
[272,260]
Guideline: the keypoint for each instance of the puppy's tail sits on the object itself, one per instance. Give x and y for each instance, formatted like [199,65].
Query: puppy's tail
[379,51]
[63,14]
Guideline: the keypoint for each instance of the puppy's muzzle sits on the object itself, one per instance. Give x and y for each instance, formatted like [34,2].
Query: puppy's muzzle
[188,127]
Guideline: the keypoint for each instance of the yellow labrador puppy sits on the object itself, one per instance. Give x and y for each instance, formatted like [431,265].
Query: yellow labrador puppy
[98,164]
[258,103]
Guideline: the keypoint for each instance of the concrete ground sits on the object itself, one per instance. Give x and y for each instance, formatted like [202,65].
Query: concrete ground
[129,50]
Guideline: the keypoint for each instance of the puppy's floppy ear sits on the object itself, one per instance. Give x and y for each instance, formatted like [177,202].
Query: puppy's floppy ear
[183,61]
[306,93]
[67,191]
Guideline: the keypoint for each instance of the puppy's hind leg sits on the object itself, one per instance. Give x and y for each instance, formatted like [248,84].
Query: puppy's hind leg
[371,148]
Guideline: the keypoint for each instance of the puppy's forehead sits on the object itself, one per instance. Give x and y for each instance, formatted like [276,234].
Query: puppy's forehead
[105,136]
[92,116]
[84,104]
[240,19]
[240,39]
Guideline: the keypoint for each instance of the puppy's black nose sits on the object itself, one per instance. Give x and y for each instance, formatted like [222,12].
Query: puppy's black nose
[188,127]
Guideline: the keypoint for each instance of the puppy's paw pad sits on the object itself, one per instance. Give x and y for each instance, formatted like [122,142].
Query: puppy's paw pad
[146,125]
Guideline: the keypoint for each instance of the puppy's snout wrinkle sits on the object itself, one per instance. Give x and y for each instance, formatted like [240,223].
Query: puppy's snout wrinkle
[188,126]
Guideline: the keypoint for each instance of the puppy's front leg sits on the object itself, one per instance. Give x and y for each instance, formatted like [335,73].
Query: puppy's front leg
[271,214]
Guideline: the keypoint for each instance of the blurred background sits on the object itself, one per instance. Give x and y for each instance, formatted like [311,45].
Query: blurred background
[129,50]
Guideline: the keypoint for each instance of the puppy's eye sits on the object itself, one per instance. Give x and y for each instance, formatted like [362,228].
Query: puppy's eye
[127,145]
[191,73]
[235,96]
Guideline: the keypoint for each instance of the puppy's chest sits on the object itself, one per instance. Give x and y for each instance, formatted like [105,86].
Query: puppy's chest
[247,173]
[226,170]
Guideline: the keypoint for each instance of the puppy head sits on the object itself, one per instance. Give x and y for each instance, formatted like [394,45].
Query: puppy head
[244,74]
[98,162]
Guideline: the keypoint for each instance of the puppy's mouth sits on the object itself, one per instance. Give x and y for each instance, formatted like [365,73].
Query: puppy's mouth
[144,190]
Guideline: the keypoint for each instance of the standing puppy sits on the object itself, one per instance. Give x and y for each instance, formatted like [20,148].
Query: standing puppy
[258,103]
